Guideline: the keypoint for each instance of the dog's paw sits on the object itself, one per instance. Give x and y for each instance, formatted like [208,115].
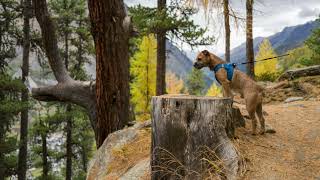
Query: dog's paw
[261,132]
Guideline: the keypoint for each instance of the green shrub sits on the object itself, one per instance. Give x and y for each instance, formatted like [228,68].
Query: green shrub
[268,76]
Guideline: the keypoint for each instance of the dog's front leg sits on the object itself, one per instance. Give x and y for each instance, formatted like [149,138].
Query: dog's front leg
[226,85]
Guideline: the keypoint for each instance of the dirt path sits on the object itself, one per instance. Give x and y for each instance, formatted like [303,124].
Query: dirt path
[293,152]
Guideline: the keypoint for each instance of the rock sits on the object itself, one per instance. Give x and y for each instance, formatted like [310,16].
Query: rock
[98,167]
[138,171]
[292,99]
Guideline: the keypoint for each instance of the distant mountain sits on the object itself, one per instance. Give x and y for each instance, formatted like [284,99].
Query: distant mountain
[289,38]
[178,63]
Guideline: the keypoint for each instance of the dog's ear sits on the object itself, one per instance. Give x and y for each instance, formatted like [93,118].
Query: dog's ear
[205,52]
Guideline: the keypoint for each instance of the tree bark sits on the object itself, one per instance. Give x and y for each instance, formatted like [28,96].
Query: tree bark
[188,129]
[112,79]
[249,35]
[23,145]
[227,29]
[161,54]
[68,107]
[69,145]
[45,165]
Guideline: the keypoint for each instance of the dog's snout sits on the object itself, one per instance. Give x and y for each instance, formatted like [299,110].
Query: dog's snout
[197,65]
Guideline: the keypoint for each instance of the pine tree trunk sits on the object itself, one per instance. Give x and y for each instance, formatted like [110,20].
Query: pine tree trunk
[250,52]
[161,55]
[23,146]
[227,28]
[2,164]
[112,78]
[69,145]
[84,159]
[45,165]
[187,129]
[68,109]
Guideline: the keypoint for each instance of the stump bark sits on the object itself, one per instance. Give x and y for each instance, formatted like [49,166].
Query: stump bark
[190,137]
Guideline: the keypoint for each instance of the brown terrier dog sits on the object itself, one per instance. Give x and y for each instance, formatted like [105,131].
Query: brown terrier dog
[240,83]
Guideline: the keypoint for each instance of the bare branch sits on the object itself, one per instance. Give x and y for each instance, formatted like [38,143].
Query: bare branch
[76,92]
[49,38]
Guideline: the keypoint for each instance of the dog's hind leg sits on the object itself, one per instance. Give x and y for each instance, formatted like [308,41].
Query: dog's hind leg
[253,118]
[251,106]
[261,118]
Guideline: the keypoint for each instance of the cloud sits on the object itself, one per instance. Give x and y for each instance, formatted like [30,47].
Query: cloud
[308,12]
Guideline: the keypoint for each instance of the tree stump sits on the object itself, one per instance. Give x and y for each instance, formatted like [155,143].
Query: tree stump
[190,137]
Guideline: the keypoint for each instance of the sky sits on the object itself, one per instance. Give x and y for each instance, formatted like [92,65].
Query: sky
[270,17]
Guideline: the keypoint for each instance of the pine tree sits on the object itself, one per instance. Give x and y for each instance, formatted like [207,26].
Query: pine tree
[23,144]
[143,70]
[10,89]
[195,82]
[10,106]
[46,124]
[313,42]
[266,68]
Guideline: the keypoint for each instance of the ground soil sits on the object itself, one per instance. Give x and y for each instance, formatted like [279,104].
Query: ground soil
[293,152]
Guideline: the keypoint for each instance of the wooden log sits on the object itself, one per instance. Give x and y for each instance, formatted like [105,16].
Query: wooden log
[301,72]
[190,137]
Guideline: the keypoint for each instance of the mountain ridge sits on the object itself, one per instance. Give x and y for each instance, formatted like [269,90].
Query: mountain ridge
[289,38]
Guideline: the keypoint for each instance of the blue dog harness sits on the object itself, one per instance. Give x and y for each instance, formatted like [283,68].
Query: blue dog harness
[228,67]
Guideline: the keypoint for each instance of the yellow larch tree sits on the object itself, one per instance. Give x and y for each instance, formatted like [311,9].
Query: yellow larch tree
[269,66]
[214,90]
[174,85]
[143,71]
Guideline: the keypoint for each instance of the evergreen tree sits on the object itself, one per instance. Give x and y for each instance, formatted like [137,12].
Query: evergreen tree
[10,89]
[298,58]
[195,82]
[313,42]
[10,106]
[266,70]
[143,70]
[23,144]
[44,152]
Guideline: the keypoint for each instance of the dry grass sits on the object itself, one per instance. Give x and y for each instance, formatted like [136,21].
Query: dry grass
[212,166]
[130,154]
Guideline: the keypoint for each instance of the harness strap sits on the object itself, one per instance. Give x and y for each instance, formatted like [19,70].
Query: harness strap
[228,67]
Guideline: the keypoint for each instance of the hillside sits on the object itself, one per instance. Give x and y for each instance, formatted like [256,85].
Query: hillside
[289,38]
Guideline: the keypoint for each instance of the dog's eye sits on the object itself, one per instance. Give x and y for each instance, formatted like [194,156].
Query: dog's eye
[199,59]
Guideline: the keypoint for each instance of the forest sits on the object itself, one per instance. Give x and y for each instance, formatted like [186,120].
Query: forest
[74,72]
